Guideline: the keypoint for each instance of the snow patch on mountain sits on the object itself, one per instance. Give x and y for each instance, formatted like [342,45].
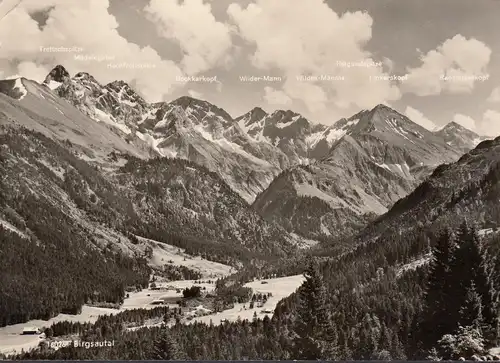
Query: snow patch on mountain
[282,125]
[332,133]
[393,122]
[224,143]
[12,228]
[53,84]
[314,138]
[104,117]
[20,87]
[324,229]
[335,134]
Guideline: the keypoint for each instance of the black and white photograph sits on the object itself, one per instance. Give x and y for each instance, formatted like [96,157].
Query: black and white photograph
[260,180]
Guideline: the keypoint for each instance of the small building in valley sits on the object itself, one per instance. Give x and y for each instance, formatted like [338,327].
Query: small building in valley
[30,330]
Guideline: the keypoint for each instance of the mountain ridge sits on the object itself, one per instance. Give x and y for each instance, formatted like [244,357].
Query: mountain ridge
[252,150]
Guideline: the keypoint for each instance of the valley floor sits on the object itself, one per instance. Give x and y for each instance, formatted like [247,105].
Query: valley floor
[12,341]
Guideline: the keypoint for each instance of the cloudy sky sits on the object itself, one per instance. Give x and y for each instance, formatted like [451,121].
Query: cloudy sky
[398,52]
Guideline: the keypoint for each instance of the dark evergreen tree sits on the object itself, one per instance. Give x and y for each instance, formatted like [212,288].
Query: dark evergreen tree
[472,277]
[471,313]
[315,336]
[437,318]
[165,347]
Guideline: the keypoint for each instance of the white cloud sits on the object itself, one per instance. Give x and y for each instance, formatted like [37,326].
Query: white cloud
[276,97]
[311,94]
[299,37]
[466,121]
[495,95]
[488,125]
[87,25]
[458,58]
[218,86]
[419,118]
[389,63]
[195,94]
[204,41]
[33,71]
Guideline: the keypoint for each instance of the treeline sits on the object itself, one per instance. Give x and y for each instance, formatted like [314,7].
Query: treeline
[111,326]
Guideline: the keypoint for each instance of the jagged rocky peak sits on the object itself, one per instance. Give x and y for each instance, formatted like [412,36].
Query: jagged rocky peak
[125,93]
[257,113]
[118,84]
[84,76]
[381,106]
[455,126]
[381,112]
[120,87]
[382,119]
[202,110]
[187,101]
[284,113]
[57,74]
[286,117]
[252,117]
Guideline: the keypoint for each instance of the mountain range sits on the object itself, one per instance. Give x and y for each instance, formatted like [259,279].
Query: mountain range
[314,180]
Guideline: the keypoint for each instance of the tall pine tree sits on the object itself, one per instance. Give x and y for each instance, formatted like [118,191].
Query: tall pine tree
[436,319]
[315,334]
[165,347]
[471,277]
[471,313]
